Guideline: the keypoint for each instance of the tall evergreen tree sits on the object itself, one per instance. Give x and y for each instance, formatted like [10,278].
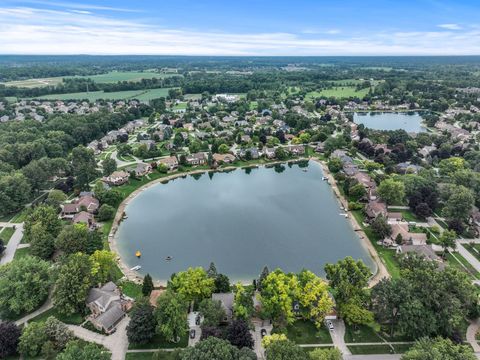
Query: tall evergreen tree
[147,286]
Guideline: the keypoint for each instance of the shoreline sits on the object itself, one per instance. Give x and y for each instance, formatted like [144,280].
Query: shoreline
[134,276]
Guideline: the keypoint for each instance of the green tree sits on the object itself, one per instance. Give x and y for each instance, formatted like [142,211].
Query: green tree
[447,240]
[193,284]
[223,149]
[141,328]
[56,198]
[392,191]
[73,239]
[32,339]
[438,349]
[147,286]
[73,283]
[24,285]
[171,315]
[212,312]
[459,203]
[84,166]
[45,215]
[381,227]
[14,192]
[238,333]
[325,354]
[313,297]
[243,304]
[103,266]
[42,243]
[278,292]
[222,283]
[58,333]
[280,153]
[106,212]
[109,166]
[284,350]
[451,165]
[76,350]
[216,349]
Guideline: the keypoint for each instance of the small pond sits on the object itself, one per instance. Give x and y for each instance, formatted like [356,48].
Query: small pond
[408,121]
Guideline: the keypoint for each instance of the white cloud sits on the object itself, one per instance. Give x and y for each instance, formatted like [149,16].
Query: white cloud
[450,26]
[26,30]
[73,5]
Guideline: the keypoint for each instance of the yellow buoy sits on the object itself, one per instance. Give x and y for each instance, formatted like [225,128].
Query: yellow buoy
[138,254]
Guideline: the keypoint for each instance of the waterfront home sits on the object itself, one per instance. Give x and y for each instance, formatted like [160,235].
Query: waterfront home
[375,208]
[269,153]
[227,301]
[223,158]
[84,217]
[296,149]
[350,169]
[199,158]
[342,155]
[170,162]
[117,178]
[408,238]
[425,251]
[141,169]
[108,307]
[367,182]
[85,203]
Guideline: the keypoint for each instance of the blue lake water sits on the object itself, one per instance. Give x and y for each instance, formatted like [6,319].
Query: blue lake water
[408,121]
[282,217]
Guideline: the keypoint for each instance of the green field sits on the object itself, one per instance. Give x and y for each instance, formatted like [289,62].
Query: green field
[142,95]
[337,92]
[110,77]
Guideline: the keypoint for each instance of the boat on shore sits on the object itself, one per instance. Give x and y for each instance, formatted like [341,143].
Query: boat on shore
[135,268]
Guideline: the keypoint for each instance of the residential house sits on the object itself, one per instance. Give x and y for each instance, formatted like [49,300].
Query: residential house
[223,158]
[269,153]
[408,238]
[296,149]
[108,306]
[141,169]
[84,217]
[117,178]
[375,208]
[426,251]
[171,162]
[199,158]
[227,301]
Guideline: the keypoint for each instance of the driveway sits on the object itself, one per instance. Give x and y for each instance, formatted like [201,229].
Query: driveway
[12,245]
[192,316]
[257,336]
[338,336]
[468,256]
[117,343]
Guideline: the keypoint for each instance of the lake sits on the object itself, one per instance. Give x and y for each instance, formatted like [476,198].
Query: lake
[408,121]
[284,217]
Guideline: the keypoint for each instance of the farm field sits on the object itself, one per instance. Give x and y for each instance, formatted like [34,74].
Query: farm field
[110,77]
[338,92]
[142,95]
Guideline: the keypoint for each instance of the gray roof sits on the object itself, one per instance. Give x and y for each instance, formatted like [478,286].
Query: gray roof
[110,317]
[226,299]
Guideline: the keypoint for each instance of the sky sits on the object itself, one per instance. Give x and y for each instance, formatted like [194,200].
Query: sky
[241,27]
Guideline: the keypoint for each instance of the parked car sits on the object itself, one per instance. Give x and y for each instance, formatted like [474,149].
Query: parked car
[192,334]
[330,325]
[263,332]
[197,320]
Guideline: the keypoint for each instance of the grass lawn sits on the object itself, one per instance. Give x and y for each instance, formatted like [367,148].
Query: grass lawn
[141,95]
[402,348]
[387,255]
[144,356]
[337,92]
[75,319]
[20,217]
[408,215]
[305,332]
[458,260]
[19,253]
[131,289]
[363,333]
[370,349]
[159,342]
[6,234]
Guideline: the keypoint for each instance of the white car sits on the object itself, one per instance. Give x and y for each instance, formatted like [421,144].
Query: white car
[330,325]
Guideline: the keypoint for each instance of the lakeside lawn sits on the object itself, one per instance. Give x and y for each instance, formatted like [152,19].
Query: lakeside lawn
[305,332]
[388,256]
[6,234]
[458,261]
[131,289]
[159,342]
